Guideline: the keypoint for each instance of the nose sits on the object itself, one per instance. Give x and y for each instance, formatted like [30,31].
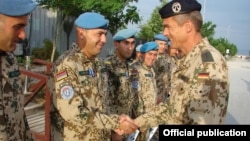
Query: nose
[166,32]
[22,34]
[104,38]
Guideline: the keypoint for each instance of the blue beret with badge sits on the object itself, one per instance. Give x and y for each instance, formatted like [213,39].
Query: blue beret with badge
[124,34]
[91,20]
[138,48]
[176,7]
[161,37]
[16,8]
[149,46]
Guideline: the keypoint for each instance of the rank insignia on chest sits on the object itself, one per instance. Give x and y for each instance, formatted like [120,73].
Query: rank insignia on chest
[149,75]
[184,78]
[203,75]
[67,92]
[81,73]
[61,75]
[14,73]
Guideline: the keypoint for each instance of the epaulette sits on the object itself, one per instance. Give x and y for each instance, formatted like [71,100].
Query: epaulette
[206,56]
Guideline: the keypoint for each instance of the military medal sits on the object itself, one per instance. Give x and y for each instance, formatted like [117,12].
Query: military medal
[91,73]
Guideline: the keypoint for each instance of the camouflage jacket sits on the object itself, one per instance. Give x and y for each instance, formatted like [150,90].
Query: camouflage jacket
[79,88]
[122,83]
[199,91]
[162,72]
[147,89]
[147,92]
[13,123]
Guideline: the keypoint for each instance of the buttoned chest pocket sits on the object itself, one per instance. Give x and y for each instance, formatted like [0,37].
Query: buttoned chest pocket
[201,89]
[86,81]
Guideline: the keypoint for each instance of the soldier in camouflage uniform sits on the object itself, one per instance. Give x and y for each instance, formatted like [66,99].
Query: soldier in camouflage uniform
[79,86]
[13,121]
[146,85]
[122,93]
[200,85]
[161,67]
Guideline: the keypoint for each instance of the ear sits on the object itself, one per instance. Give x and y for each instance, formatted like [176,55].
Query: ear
[80,32]
[189,26]
[116,44]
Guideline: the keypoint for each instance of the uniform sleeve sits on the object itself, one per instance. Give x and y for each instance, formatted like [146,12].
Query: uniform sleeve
[78,108]
[158,115]
[209,94]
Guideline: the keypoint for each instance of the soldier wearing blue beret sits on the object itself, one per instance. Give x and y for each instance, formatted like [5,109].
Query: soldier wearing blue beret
[161,37]
[147,88]
[124,34]
[148,47]
[79,84]
[123,95]
[201,73]
[91,20]
[161,66]
[14,16]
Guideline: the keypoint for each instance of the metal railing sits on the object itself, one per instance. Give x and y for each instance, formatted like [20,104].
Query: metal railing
[34,89]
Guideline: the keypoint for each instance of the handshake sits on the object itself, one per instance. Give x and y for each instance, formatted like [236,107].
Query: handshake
[127,125]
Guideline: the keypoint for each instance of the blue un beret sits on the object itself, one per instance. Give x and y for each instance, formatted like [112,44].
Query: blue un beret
[91,20]
[138,48]
[176,7]
[17,7]
[149,46]
[124,34]
[161,37]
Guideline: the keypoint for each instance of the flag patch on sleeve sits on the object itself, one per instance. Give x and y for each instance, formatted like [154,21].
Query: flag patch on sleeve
[61,75]
[203,75]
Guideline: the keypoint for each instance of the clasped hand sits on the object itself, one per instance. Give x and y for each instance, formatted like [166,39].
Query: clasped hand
[127,125]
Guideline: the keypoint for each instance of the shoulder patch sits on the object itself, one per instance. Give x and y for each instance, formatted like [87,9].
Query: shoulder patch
[61,75]
[206,56]
[67,92]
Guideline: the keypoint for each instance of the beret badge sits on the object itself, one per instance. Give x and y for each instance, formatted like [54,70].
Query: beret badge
[176,7]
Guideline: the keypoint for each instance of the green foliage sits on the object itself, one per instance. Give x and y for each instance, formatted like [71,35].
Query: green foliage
[208,30]
[153,26]
[44,53]
[20,60]
[119,12]
[223,44]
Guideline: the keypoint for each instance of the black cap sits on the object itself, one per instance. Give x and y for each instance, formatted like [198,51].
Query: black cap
[176,7]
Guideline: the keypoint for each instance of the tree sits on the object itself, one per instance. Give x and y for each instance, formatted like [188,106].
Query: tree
[208,30]
[153,26]
[119,12]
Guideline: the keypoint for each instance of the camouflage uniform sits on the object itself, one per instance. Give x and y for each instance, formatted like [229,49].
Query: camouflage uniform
[147,92]
[161,68]
[13,123]
[199,93]
[79,98]
[123,95]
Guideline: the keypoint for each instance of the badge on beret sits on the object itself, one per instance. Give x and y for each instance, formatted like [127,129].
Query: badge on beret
[176,7]
[67,92]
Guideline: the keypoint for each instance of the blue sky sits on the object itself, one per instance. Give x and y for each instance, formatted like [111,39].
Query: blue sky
[230,16]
